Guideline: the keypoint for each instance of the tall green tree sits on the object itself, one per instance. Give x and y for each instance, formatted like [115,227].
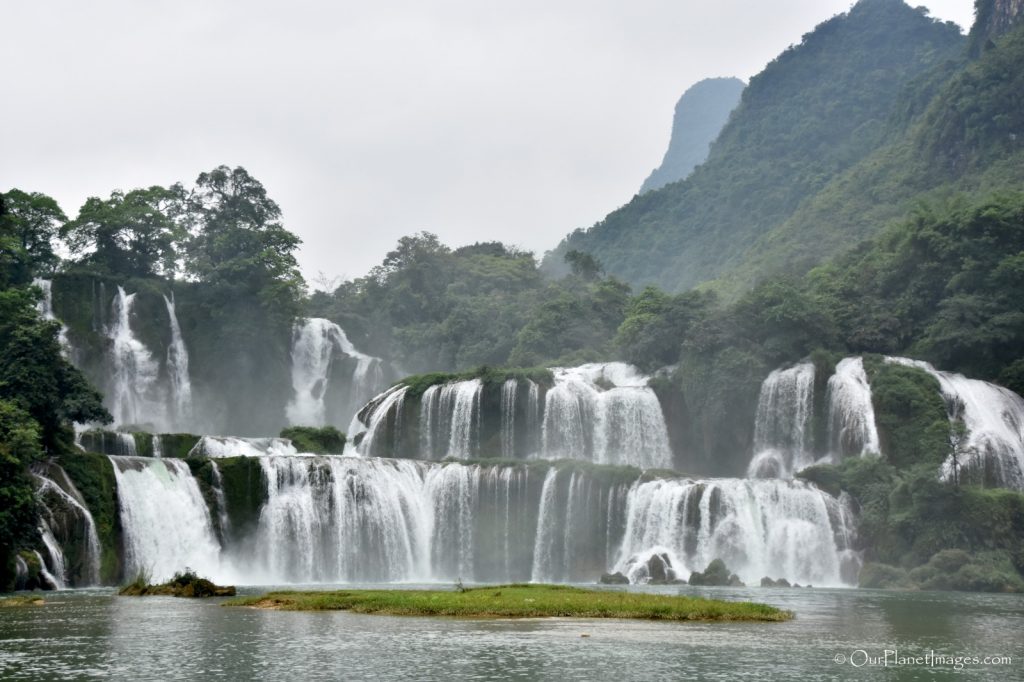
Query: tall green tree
[130,234]
[29,224]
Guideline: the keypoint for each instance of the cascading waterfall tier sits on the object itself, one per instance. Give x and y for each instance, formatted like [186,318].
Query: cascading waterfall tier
[785,407]
[219,447]
[758,527]
[342,519]
[165,522]
[603,413]
[331,379]
[851,415]
[994,419]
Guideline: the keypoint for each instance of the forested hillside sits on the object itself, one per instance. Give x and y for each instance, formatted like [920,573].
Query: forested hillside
[814,113]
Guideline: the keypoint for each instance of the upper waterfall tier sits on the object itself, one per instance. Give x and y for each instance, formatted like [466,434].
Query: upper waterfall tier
[604,413]
[331,379]
[782,429]
[340,519]
[994,419]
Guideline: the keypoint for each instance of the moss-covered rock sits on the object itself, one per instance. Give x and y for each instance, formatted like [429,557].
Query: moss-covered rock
[913,427]
[716,574]
[324,440]
[93,476]
[187,584]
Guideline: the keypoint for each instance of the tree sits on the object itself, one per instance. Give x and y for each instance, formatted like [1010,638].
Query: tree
[583,265]
[239,245]
[36,377]
[129,234]
[30,221]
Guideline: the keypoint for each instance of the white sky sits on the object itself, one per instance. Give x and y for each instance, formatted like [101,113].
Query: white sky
[478,120]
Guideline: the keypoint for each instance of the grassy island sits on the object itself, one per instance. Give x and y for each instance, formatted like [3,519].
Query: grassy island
[21,600]
[517,601]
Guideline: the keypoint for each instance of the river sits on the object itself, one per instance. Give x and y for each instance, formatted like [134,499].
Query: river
[83,634]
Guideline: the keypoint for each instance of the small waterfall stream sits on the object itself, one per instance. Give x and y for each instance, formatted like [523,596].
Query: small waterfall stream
[134,373]
[318,345]
[994,418]
[851,415]
[782,425]
[177,371]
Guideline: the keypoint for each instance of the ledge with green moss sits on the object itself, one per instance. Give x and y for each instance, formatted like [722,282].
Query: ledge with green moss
[187,584]
[518,601]
[490,376]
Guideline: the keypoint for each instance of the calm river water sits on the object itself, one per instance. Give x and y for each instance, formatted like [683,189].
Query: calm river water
[94,634]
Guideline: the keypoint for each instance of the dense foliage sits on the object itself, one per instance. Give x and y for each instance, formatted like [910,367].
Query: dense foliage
[815,111]
[432,308]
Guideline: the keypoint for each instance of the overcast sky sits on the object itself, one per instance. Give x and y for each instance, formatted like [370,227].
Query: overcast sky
[517,121]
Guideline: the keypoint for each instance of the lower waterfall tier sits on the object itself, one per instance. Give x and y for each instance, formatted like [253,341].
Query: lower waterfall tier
[299,519]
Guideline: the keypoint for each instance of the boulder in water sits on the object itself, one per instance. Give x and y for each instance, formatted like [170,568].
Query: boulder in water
[613,579]
[716,575]
[768,582]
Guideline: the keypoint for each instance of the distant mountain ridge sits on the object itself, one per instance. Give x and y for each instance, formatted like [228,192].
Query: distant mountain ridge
[700,115]
[816,111]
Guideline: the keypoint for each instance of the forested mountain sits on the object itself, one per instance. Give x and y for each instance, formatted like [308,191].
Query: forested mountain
[700,114]
[816,111]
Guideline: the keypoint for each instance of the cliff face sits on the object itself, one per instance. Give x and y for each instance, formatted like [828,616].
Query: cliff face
[700,115]
[993,18]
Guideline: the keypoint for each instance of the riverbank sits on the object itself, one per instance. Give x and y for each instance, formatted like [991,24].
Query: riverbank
[518,601]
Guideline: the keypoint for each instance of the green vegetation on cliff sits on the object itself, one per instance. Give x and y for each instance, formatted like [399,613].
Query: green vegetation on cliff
[518,601]
[816,110]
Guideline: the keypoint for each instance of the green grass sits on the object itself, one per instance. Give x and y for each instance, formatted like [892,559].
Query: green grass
[517,601]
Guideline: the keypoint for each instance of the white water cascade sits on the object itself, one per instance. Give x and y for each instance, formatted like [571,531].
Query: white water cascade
[45,308]
[134,390]
[318,345]
[450,420]
[851,415]
[383,423]
[758,527]
[164,519]
[509,390]
[64,515]
[58,572]
[994,418]
[218,447]
[340,519]
[782,425]
[604,413]
[177,370]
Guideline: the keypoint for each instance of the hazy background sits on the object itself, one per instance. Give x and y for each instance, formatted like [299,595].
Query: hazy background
[517,121]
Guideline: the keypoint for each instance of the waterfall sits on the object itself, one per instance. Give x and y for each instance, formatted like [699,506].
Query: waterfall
[851,415]
[45,308]
[449,420]
[533,417]
[994,418]
[382,415]
[604,413]
[341,519]
[508,417]
[317,344]
[782,425]
[758,527]
[157,445]
[133,372]
[164,519]
[223,522]
[58,575]
[219,447]
[344,518]
[177,369]
[63,514]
